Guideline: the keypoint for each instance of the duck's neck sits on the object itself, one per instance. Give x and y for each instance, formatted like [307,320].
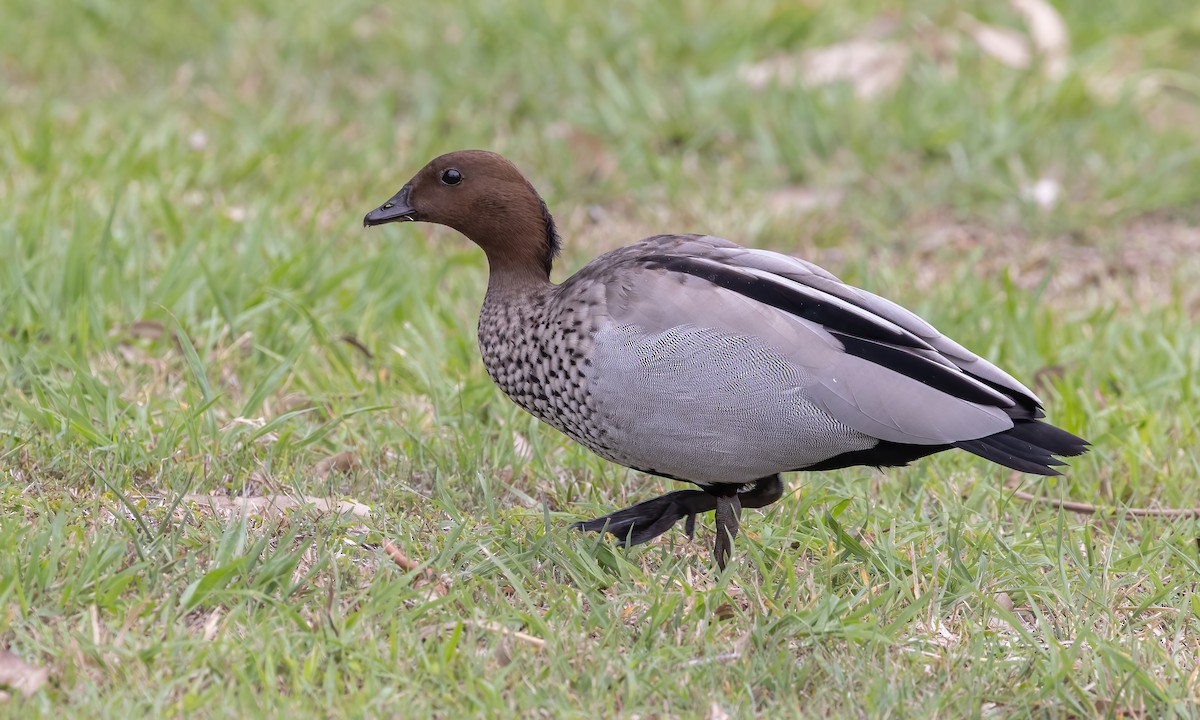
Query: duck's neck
[515,285]
[518,296]
[509,271]
[519,262]
[521,242]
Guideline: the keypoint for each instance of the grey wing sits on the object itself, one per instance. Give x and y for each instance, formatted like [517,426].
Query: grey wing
[869,364]
[816,277]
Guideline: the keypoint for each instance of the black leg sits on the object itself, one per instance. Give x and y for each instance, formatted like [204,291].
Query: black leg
[763,492]
[647,520]
[727,520]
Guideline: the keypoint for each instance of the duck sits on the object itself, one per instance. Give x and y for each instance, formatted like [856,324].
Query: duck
[696,359]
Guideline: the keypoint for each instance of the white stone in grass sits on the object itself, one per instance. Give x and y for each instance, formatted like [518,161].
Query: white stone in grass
[1044,193]
[198,141]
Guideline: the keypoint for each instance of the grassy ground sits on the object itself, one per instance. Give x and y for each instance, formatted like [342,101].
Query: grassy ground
[191,314]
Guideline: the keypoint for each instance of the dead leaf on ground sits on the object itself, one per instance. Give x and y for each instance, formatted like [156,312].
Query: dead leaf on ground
[342,462]
[791,201]
[19,675]
[273,505]
[438,589]
[716,712]
[1048,32]
[211,624]
[1009,47]
[871,66]
[875,61]
[145,329]
[503,654]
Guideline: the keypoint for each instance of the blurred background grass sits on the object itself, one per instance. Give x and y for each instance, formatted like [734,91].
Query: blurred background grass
[190,308]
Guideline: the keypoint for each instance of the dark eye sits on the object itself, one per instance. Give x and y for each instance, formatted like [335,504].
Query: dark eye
[451,177]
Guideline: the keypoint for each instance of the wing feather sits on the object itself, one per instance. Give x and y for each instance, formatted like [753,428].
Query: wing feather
[806,273]
[878,368]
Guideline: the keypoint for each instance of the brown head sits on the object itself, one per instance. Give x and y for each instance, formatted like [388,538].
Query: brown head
[483,196]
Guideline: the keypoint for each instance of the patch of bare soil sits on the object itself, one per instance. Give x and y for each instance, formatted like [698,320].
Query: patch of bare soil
[1145,263]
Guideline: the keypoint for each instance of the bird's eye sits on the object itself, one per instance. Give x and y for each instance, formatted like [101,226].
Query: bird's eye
[451,177]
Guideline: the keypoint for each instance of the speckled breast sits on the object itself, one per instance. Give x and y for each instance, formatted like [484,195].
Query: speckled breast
[536,355]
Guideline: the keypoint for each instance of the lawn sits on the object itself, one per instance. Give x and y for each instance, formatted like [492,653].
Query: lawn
[253,465]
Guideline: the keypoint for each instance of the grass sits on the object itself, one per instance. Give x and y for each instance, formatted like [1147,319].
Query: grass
[191,313]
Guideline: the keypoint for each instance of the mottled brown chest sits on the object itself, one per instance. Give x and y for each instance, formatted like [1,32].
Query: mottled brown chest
[537,353]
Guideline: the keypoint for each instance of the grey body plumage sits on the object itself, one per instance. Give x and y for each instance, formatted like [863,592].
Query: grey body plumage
[674,375]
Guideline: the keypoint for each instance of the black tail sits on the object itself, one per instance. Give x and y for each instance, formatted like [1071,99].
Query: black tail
[1029,446]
